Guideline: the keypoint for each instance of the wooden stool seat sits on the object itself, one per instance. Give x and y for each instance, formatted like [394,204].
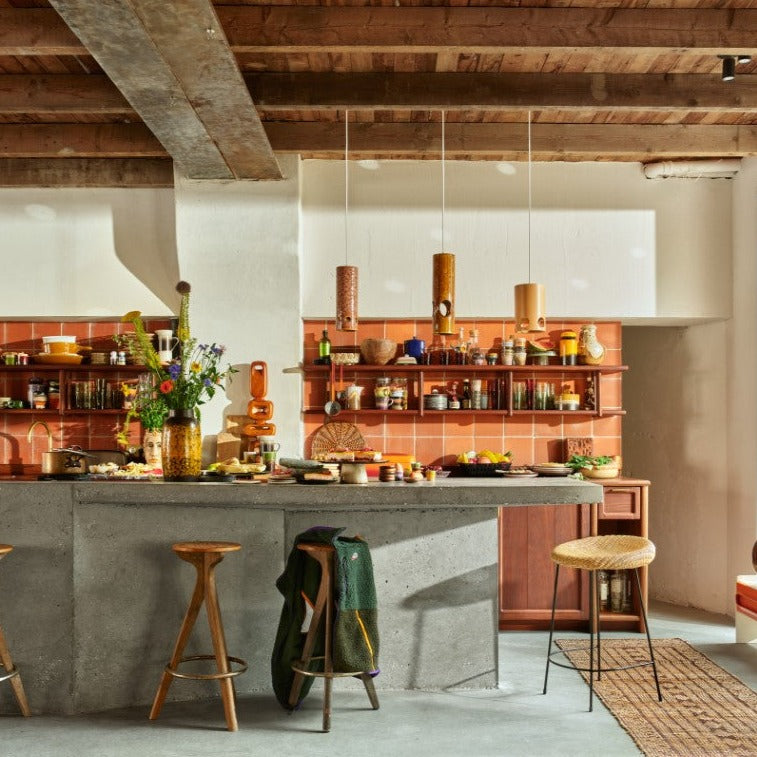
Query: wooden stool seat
[204,555]
[323,611]
[11,672]
[593,553]
[611,552]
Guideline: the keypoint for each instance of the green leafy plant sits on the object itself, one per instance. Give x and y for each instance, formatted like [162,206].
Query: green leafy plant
[587,461]
[145,405]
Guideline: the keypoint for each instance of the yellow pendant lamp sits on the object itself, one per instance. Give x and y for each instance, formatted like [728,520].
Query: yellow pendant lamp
[443,284]
[530,309]
[346,275]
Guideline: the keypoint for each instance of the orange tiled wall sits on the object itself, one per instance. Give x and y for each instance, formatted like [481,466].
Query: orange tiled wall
[439,439]
[17,455]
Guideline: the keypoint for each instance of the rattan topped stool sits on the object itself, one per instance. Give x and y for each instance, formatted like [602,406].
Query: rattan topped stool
[11,672]
[593,553]
[204,555]
[323,612]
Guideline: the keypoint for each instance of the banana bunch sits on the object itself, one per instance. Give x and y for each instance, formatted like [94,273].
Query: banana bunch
[484,456]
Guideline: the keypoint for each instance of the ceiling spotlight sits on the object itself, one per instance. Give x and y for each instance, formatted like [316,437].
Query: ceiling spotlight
[729,67]
[743,58]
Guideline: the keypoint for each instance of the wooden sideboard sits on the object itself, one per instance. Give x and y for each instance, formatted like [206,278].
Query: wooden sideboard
[526,571]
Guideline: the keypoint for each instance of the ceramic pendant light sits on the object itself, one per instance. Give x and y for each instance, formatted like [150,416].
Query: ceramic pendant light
[346,275]
[530,300]
[443,317]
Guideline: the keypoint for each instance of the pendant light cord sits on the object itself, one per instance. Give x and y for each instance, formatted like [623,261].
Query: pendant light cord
[444,181]
[346,177]
[529,196]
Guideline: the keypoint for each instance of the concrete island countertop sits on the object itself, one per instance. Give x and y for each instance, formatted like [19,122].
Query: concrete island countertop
[98,595]
[443,493]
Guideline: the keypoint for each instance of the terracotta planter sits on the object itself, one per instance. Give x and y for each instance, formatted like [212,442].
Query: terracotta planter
[182,446]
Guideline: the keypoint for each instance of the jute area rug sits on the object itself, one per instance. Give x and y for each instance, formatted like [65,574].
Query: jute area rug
[705,710]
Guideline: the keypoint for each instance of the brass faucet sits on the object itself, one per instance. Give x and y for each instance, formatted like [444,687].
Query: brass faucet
[47,429]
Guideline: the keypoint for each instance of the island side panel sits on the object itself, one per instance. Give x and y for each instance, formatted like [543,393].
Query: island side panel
[132,592]
[36,594]
[436,581]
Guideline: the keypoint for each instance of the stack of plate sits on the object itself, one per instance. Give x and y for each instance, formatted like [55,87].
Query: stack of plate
[552,469]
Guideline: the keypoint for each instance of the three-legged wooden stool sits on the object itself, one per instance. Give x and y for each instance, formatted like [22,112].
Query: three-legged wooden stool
[323,611]
[204,555]
[11,673]
[593,553]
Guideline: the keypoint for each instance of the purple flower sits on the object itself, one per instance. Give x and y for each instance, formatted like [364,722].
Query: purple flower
[208,382]
[174,370]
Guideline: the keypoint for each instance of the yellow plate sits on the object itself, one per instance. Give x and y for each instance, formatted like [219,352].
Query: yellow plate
[59,359]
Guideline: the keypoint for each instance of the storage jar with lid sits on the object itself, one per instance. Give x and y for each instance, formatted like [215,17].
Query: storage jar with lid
[590,350]
[568,347]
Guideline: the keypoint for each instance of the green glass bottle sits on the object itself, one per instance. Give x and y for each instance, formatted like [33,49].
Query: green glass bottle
[324,348]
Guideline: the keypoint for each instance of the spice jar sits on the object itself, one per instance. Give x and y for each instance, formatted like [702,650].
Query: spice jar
[568,348]
[507,352]
[519,351]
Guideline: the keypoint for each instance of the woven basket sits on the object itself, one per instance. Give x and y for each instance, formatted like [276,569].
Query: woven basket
[336,435]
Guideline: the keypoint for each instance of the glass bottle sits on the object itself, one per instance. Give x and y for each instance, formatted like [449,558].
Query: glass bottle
[324,347]
[467,398]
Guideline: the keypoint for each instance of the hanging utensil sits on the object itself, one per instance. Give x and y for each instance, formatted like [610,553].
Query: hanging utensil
[332,407]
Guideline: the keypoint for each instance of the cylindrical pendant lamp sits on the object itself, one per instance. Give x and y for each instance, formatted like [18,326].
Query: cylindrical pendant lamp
[346,298]
[444,293]
[530,309]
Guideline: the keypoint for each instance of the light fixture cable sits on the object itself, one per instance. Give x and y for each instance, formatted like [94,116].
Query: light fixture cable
[346,178]
[529,196]
[444,180]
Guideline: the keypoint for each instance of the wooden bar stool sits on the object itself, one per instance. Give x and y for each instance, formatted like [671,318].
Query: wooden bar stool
[11,672]
[204,555]
[593,553]
[323,611]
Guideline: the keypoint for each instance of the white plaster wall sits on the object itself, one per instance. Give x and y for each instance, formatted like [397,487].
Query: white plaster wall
[239,249]
[604,239]
[675,434]
[742,369]
[88,253]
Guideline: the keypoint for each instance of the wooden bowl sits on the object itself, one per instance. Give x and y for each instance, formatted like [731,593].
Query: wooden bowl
[378,351]
[604,471]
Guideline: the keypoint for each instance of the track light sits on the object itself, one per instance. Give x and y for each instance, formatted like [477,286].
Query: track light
[729,68]
[729,64]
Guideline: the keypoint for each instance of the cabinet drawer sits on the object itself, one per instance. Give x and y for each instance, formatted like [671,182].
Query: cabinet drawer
[621,502]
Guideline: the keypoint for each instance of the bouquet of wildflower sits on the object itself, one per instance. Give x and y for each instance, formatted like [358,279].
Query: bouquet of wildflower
[192,378]
[143,403]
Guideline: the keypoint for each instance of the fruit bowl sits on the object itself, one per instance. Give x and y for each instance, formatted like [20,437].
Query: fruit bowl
[481,470]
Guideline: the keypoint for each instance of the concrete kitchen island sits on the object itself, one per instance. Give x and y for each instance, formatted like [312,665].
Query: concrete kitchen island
[93,596]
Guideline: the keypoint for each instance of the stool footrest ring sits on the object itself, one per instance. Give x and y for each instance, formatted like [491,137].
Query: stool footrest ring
[12,673]
[299,667]
[571,666]
[207,676]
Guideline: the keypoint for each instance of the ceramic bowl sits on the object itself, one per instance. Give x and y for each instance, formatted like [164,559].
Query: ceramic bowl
[378,351]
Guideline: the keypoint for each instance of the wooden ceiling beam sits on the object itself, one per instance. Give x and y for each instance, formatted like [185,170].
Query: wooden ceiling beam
[500,91]
[550,141]
[334,29]
[171,61]
[86,94]
[288,29]
[135,173]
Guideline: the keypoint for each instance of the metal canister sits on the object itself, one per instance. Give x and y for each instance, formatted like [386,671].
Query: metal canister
[568,348]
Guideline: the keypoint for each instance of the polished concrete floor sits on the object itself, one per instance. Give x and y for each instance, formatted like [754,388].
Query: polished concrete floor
[515,719]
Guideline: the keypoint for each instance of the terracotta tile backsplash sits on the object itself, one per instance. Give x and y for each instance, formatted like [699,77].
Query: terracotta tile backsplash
[438,439]
[17,454]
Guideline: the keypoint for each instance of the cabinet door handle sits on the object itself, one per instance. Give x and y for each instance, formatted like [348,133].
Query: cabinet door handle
[616,490]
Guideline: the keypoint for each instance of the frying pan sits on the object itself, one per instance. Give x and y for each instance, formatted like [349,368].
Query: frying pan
[332,407]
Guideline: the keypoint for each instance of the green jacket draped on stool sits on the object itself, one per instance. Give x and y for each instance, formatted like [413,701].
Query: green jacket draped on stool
[356,641]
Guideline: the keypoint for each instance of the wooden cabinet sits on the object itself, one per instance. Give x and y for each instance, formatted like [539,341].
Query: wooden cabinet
[422,379]
[526,572]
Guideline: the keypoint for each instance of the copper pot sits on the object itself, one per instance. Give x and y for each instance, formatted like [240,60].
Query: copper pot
[64,462]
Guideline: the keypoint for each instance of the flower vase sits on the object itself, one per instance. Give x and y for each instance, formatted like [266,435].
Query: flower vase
[152,443]
[182,446]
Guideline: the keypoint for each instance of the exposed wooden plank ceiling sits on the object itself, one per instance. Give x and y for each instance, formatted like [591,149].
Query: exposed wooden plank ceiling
[146,81]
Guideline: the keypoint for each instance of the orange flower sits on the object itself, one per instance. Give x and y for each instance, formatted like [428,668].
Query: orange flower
[166,386]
